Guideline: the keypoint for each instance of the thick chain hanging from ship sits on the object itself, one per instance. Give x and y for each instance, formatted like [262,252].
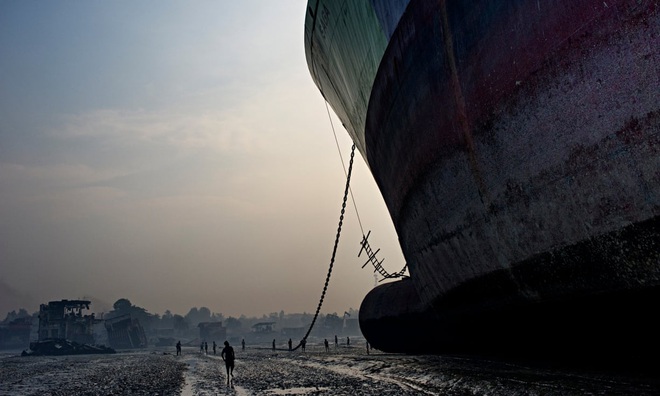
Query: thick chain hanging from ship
[378,264]
[365,243]
[334,249]
[365,247]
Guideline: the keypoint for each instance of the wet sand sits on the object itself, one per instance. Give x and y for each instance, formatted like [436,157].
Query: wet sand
[262,371]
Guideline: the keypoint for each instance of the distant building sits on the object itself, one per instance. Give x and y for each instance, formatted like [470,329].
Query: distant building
[263,327]
[212,331]
[125,332]
[262,332]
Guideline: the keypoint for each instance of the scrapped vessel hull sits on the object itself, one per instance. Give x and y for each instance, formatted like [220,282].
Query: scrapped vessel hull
[516,144]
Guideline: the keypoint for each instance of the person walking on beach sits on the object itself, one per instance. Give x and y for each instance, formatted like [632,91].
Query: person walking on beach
[367,347]
[178,348]
[302,344]
[327,347]
[348,341]
[336,341]
[273,344]
[290,344]
[243,344]
[214,346]
[227,355]
[206,347]
[201,347]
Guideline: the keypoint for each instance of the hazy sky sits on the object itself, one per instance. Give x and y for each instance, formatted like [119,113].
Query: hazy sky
[176,154]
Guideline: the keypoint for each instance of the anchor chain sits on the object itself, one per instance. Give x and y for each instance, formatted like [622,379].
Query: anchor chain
[334,249]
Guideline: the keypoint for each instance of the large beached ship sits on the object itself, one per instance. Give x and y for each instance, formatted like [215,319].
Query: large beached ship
[516,144]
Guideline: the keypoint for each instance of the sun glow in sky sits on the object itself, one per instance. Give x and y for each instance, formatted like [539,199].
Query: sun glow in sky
[176,154]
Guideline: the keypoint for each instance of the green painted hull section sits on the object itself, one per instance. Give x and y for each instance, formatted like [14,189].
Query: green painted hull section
[344,66]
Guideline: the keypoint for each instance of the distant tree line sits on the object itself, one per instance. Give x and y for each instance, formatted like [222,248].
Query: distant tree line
[22,313]
[149,321]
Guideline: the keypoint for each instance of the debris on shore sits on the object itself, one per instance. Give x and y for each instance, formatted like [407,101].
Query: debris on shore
[55,347]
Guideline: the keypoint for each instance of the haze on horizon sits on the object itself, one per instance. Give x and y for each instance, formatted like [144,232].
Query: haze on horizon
[176,155]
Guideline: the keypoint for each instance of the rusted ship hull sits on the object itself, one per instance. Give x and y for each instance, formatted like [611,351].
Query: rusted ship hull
[517,147]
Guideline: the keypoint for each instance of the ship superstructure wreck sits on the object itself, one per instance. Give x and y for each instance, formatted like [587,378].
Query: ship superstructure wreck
[65,330]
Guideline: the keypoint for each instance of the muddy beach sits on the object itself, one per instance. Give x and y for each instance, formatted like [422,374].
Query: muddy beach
[260,370]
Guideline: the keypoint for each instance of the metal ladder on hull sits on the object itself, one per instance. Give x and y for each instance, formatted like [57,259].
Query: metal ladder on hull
[378,264]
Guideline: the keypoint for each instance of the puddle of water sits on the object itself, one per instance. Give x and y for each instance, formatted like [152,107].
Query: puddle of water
[187,389]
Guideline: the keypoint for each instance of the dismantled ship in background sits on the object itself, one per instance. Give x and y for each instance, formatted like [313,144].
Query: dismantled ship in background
[516,144]
[125,332]
[65,330]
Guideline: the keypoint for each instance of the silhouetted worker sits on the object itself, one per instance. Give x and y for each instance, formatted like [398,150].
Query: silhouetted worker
[178,348]
[206,347]
[367,347]
[336,341]
[327,346]
[348,341]
[290,344]
[227,355]
[273,344]
[303,342]
[201,348]
[243,343]
[214,346]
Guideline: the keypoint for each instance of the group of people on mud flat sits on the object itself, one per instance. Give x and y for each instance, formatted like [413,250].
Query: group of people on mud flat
[303,344]
[227,355]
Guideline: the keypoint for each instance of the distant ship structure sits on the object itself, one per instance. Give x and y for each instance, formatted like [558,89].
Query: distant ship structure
[65,330]
[64,319]
[125,332]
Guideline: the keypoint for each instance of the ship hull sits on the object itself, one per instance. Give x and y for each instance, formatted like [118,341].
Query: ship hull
[487,316]
[517,147]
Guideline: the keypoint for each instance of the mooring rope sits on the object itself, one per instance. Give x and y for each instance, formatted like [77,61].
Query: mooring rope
[341,158]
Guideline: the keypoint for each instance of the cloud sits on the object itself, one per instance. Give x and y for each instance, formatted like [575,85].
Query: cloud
[63,173]
[183,131]
[194,144]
